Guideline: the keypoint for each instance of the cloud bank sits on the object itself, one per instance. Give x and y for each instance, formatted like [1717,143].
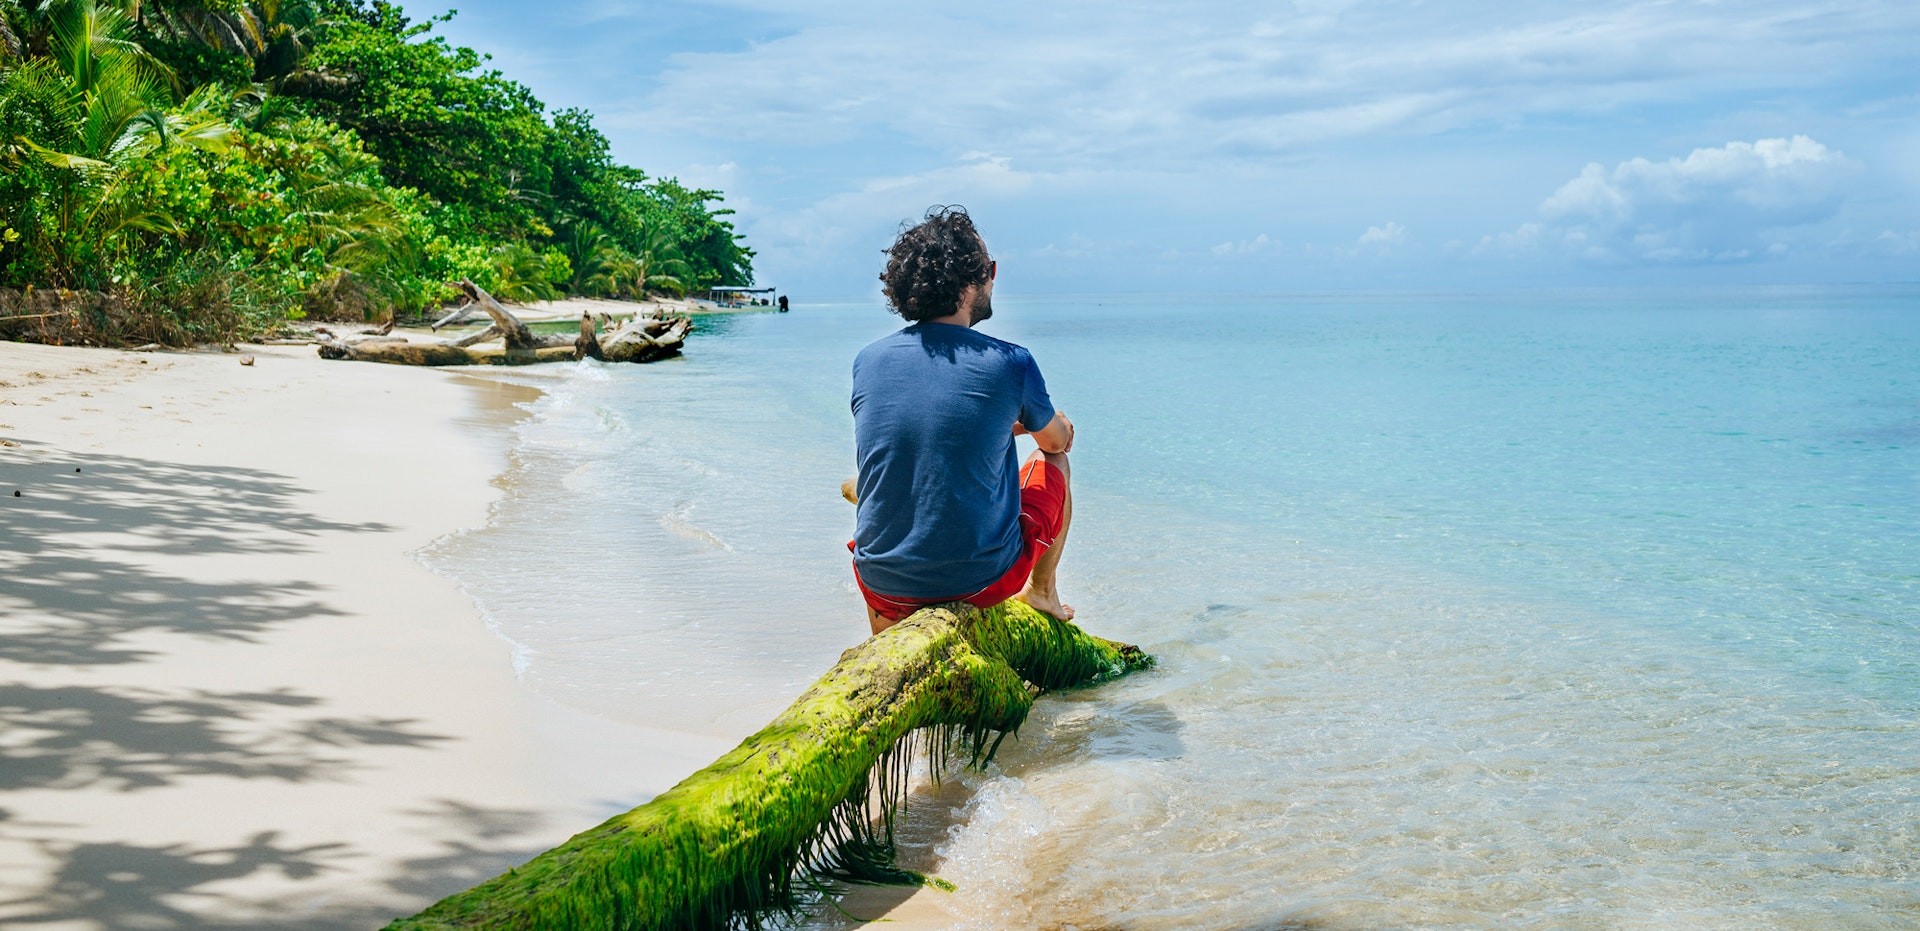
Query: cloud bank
[1299,143]
[1734,203]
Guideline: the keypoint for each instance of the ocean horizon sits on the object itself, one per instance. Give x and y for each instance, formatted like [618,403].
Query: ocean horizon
[1543,608]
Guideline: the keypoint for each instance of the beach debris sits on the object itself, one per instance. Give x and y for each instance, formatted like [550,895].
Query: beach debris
[459,315]
[246,360]
[641,339]
[516,334]
[149,347]
[491,332]
[813,794]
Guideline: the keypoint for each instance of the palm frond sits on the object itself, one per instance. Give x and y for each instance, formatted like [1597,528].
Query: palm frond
[37,103]
[59,159]
[520,274]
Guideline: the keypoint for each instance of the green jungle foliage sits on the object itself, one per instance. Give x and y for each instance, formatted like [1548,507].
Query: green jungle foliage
[221,166]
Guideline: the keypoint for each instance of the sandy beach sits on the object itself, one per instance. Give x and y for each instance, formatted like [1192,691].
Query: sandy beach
[232,697]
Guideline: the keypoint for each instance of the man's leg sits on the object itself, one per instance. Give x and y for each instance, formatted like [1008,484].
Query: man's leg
[1041,591]
[878,623]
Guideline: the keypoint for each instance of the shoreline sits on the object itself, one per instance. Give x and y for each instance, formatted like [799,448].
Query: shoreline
[235,695]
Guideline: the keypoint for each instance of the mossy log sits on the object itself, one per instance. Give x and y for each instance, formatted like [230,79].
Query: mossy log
[726,844]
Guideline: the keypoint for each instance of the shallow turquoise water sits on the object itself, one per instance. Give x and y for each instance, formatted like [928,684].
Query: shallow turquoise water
[1592,609]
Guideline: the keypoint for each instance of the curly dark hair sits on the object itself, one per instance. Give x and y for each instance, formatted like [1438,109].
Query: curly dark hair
[931,263]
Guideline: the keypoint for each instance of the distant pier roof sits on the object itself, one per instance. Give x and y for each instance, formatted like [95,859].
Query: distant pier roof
[738,287]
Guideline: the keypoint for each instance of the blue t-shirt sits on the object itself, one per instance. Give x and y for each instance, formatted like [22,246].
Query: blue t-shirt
[933,412]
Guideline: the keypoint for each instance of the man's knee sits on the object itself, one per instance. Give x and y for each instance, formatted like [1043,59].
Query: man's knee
[1057,460]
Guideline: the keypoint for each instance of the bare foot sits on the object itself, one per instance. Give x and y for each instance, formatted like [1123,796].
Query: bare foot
[1046,603]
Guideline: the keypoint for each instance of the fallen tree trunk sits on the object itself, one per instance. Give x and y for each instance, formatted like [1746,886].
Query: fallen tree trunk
[516,333]
[725,844]
[400,352]
[642,339]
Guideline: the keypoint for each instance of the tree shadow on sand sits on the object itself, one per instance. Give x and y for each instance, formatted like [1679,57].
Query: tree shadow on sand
[129,739]
[82,557]
[120,885]
[71,572]
[480,843]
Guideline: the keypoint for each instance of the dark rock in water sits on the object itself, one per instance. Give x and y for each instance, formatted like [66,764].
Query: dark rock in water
[16,492]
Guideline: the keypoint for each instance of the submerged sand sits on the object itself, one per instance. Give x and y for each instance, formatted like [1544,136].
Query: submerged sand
[231,696]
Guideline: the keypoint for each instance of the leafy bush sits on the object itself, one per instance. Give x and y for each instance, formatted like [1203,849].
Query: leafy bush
[220,167]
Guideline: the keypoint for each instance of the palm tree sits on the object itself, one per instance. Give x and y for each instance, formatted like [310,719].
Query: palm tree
[520,274]
[95,104]
[23,28]
[10,46]
[589,248]
[273,34]
[615,274]
[661,267]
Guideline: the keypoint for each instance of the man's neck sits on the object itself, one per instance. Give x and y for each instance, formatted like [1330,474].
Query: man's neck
[963,316]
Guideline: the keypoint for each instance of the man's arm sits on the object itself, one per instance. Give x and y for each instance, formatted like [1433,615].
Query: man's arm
[1056,437]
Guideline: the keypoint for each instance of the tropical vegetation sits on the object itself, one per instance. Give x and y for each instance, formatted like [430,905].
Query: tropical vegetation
[222,166]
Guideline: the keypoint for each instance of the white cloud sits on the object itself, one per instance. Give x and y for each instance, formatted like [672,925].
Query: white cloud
[1085,84]
[1257,244]
[1892,243]
[1726,204]
[862,220]
[1384,236]
[1193,124]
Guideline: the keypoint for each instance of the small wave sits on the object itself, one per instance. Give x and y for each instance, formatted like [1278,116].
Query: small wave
[675,521]
[612,421]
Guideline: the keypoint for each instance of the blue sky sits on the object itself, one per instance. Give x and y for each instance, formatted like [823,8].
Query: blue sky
[1265,147]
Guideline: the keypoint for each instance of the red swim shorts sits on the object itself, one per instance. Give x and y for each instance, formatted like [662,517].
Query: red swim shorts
[1043,503]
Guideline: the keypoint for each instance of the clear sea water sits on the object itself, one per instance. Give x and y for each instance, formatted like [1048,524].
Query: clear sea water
[1508,610]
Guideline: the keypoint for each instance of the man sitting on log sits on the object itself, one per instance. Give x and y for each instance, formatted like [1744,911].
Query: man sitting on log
[947,513]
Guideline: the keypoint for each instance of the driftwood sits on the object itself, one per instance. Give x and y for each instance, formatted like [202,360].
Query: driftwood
[516,333]
[642,339]
[460,314]
[491,332]
[400,352]
[725,846]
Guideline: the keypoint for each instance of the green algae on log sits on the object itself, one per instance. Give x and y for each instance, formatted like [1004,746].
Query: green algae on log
[725,844]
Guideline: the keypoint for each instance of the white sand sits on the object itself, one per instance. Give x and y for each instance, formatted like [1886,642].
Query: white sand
[229,696]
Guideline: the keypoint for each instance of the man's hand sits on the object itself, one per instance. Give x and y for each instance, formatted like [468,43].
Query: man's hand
[1056,437]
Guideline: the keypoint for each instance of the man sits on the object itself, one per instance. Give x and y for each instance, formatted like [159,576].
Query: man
[947,513]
